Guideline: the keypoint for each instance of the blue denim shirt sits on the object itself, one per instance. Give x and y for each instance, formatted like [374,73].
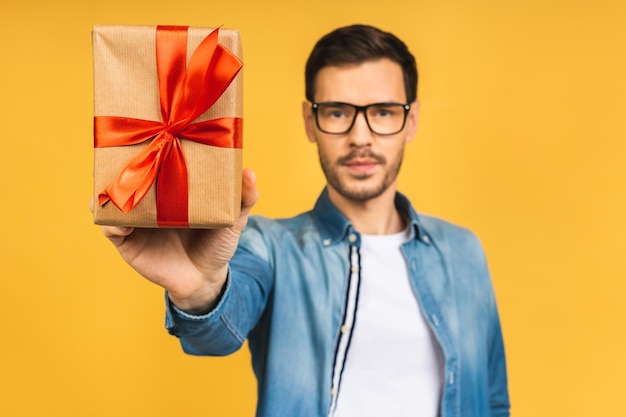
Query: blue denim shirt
[287,294]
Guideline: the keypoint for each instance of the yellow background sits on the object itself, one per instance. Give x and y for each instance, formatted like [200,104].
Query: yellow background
[522,139]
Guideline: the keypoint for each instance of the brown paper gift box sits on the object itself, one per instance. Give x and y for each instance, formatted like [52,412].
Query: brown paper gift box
[126,84]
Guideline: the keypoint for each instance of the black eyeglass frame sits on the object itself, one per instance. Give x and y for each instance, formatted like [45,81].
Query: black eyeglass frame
[358,109]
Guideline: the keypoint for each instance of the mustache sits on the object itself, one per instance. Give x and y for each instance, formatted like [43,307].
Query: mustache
[361,154]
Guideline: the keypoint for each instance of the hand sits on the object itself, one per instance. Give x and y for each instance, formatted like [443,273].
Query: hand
[190,264]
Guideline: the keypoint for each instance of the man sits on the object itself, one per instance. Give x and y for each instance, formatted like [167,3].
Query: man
[360,307]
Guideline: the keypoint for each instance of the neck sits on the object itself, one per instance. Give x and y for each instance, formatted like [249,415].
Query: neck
[377,216]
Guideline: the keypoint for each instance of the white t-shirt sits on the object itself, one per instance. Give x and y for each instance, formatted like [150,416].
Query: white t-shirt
[394,367]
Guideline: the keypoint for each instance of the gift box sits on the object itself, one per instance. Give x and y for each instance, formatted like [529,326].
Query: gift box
[168,126]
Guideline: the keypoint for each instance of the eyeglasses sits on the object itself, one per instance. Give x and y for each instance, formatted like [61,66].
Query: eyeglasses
[338,118]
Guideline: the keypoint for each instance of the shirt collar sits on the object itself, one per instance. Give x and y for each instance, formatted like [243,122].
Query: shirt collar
[334,226]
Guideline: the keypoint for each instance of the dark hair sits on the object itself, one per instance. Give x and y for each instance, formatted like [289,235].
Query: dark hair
[357,44]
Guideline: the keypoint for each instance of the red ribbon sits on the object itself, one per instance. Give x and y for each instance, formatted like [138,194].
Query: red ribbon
[184,94]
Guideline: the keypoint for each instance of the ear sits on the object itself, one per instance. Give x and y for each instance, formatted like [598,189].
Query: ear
[412,120]
[309,121]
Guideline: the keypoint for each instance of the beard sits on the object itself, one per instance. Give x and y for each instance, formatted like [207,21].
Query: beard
[363,187]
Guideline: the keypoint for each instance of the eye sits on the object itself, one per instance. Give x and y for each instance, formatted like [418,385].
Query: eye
[384,111]
[334,112]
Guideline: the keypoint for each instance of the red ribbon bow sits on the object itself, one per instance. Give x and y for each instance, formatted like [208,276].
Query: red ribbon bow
[184,95]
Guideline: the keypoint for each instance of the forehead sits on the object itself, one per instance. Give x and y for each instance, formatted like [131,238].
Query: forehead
[369,82]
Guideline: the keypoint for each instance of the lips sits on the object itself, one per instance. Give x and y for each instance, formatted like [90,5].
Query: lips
[361,164]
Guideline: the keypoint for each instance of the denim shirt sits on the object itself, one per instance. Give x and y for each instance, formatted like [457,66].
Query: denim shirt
[288,292]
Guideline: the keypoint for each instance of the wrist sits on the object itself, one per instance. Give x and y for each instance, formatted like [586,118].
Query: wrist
[202,300]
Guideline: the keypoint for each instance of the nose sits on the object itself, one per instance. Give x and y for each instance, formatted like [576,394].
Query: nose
[360,134]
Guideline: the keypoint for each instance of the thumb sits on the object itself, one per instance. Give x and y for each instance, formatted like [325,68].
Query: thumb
[249,191]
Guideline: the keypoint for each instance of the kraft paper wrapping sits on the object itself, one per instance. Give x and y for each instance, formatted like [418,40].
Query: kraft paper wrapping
[126,84]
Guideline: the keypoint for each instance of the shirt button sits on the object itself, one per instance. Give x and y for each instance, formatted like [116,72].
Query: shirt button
[426,239]
[344,328]
[326,242]
[354,269]
[352,238]
[334,392]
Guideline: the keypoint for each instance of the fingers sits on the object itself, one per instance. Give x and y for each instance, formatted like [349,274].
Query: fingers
[116,234]
[249,192]
[114,231]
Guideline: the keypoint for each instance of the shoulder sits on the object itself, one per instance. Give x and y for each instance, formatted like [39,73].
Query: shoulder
[440,232]
[439,229]
[451,239]
[263,235]
[262,225]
